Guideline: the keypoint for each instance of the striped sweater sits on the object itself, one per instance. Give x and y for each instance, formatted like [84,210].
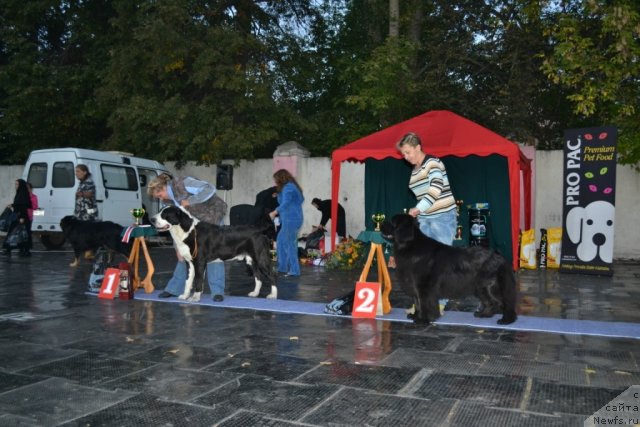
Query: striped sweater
[430,185]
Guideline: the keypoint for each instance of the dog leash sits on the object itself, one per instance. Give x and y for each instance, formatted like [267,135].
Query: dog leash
[195,244]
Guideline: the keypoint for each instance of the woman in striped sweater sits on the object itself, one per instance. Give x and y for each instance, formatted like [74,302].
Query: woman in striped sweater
[436,207]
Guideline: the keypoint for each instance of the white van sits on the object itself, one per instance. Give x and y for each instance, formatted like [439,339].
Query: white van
[121,185]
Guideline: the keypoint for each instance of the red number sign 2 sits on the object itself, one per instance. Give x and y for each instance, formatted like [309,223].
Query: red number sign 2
[367,302]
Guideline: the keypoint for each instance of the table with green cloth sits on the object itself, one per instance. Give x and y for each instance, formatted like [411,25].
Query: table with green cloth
[371,236]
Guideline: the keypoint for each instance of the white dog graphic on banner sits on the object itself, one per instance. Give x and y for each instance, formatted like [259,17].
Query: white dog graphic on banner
[592,228]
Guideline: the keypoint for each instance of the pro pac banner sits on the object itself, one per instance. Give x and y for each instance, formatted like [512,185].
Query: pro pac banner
[589,200]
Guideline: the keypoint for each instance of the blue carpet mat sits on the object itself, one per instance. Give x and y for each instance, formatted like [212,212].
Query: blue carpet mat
[451,318]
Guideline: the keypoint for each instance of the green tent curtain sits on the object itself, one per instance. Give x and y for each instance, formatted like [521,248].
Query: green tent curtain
[473,179]
[386,188]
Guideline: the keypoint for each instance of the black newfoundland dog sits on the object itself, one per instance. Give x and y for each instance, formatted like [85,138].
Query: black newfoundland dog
[429,270]
[200,242]
[91,235]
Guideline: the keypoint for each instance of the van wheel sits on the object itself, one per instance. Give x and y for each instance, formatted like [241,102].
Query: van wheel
[52,241]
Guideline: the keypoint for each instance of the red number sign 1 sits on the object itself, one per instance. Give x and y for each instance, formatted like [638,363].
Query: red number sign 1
[110,283]
[367,302]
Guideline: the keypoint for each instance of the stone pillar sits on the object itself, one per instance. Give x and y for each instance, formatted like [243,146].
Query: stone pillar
[287,156]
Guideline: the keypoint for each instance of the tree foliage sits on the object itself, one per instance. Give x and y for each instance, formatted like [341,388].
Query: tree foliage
[596,56]
[207,80]
[50,56]
[194,80]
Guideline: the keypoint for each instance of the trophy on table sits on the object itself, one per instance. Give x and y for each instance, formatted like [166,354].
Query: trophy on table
[137,213]
[377,218]
[459,226]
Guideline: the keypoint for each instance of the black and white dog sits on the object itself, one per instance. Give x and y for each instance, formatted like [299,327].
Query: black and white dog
[199,242]
[429,270]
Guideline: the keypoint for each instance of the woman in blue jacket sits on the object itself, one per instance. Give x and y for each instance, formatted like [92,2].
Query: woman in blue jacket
[289,210]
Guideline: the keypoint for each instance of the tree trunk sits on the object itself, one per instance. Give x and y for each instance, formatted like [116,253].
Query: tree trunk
[394,18]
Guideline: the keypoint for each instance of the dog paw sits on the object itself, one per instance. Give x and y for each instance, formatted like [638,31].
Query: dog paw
[506,320]
[272,296]
[411,310]
[183,296]
[195,297]
[74,263]
[253,294]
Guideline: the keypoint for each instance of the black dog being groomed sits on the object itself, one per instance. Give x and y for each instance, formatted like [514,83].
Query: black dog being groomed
[429,270]
[200,242]
[91,235]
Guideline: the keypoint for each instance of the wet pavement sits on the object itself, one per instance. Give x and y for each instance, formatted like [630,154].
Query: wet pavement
[70,359]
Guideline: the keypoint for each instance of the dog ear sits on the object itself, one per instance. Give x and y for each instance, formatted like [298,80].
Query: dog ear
[573,224]
[184,219]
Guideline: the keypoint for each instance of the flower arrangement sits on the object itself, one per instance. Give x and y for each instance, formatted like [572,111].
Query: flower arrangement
[348,255]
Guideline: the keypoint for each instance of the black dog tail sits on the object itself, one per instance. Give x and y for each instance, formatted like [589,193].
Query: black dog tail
[507,283]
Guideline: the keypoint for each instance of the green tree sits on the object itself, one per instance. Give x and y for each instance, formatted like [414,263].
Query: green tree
[195,80]
[596,57]
[479,59]
[50,54]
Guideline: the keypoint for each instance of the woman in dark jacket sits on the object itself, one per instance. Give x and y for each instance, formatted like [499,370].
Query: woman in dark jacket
[21,204]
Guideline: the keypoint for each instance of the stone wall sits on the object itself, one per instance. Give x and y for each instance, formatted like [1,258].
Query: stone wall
[314,175]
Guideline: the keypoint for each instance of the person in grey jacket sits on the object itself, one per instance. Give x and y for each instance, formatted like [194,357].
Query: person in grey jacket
[199,198]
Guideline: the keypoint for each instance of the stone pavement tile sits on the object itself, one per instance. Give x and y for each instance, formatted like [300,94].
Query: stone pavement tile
[449,363]
[113,345]
[467,414]
[10,381]
[55,400]
[171,383]
[505,349]
[597,358]
[158,359]
[250,419]
[149,410]
[382,379]
[60,330]
[287,401]
[564,373]
[499,391]
[618,378]
[87,368]
[181,355]
[552,398]
[277,366]
[354,407]
[22,355]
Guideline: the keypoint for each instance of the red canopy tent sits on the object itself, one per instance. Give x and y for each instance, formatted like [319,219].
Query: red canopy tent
[445,134]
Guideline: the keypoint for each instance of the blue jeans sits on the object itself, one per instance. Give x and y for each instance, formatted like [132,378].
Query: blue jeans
[287,247]
[215,277]
[441,227]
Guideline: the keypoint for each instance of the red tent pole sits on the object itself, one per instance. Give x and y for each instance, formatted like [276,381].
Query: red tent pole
[527,196]
[335,190]
[514,184]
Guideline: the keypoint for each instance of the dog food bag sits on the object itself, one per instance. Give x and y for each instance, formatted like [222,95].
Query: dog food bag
[528,249]
[542,259]
[554,241]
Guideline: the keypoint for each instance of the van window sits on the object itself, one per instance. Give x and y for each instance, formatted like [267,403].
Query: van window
[119,178]
[37,175]
[64,175]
